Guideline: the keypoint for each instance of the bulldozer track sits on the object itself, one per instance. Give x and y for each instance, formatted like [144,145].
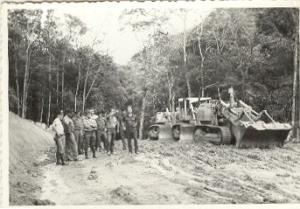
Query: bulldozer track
[214,134]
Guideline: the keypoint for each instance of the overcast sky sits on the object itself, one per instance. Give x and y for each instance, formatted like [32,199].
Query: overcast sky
[103,23]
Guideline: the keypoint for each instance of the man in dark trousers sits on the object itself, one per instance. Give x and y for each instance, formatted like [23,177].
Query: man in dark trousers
[122,127]
[131,129]
[71,144]
[101,131]
[90,127]
[112,126]
[59,138]
[78,131]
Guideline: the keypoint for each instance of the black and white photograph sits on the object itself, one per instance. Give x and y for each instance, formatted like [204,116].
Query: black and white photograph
[153,103]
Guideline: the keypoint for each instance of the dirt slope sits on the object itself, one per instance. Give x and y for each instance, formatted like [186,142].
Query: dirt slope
[177,173]
[28,145]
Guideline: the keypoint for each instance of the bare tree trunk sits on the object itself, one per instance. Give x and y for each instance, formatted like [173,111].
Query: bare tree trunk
[17,83]
[42,109]
[296,87]
[26,81]
[142,115]
[202,59]
[170,91]
[63,80]
[93,82]
[244,85]
[189,91]
[57,86]
[170,98]
[50,94]
[187,79]
[84,87]
[173,102]
[298,92]
[77,87]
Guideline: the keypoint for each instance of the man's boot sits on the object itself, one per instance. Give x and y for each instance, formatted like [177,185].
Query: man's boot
[62,159]
[57,158]
[86,153]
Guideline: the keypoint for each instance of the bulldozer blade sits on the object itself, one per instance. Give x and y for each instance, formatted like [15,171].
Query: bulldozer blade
[160,132]
[251,137]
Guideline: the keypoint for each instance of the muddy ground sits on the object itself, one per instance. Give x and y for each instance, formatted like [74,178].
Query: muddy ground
[178,173]
[165,172]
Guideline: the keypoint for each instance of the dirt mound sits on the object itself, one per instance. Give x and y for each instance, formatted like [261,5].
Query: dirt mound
[93,174]
[123,195]
[28,148]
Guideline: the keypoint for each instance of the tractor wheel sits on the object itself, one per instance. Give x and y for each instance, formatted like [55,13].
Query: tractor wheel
[153,134]
[176,133]
[198,135]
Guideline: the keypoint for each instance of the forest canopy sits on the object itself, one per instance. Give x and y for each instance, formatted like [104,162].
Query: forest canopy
[252,50]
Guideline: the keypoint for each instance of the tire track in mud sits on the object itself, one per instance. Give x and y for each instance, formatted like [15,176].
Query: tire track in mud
[179,173]
[249,158]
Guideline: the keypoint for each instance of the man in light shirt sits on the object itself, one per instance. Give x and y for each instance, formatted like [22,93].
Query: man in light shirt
[59,138]
[90,127]
[71,144]
[101,132]
[78,131]
[94,116]
[112,126]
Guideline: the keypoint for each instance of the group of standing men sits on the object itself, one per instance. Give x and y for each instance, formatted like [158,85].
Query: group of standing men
[77,133]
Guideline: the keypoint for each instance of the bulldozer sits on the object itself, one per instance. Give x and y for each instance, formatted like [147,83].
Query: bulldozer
[237,123]
[186,121]
[161,127]
[178,125]
[219,122]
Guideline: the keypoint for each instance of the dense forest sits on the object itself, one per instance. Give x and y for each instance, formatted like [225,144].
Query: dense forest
[252,50]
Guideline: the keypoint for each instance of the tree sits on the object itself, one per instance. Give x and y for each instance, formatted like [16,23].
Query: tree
[141,20]
[15,41]
[296,82]
[50,34]
[31,33]
[183,13]
[75,28]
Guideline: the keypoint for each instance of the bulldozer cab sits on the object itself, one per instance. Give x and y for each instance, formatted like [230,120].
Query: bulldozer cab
[206,111]
[198,110]
[161,118]
[186,106]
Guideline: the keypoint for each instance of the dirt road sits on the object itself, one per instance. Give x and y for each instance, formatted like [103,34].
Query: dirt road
[178,173]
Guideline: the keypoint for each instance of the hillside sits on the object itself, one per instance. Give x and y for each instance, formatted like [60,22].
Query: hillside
[28,145]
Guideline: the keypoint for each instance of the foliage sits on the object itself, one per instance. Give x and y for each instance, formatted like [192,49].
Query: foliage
[249,49]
